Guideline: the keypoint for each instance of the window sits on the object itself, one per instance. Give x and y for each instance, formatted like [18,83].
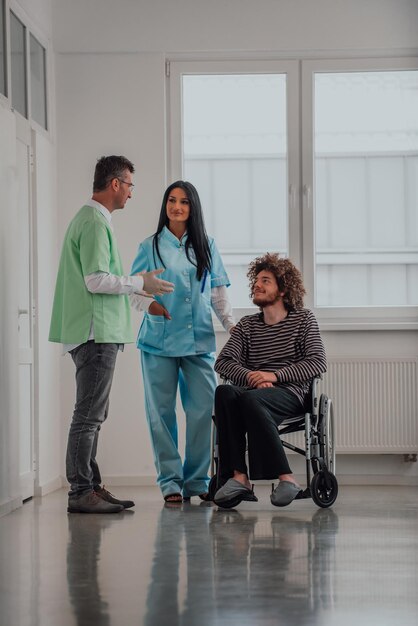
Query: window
[26,84]
[316,160]
[3,81]
[18,65]
[235,150]
[38,82]
[366,188]
[235,153]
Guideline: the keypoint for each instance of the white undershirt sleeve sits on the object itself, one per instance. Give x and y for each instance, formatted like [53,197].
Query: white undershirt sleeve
[221,305]
[102,282]
[140,302]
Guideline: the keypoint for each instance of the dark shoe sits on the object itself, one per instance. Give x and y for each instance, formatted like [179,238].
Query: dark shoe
[284,493]
[173,498]
[109,497]
[232,493]
[91,502]
[203,496]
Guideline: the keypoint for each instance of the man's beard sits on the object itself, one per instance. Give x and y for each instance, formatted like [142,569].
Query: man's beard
[262,300]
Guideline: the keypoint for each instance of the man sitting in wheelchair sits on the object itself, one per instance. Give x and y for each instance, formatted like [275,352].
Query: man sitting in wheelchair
[270,360]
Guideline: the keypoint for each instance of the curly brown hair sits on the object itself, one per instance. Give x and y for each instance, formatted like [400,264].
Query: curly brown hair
[288,277]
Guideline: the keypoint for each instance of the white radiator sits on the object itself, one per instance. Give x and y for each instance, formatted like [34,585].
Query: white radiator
[375,404]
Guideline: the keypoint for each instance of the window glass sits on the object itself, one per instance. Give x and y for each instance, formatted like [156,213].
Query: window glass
[18,65]
[3,85]
[366,188]
[38,82]
[235,153]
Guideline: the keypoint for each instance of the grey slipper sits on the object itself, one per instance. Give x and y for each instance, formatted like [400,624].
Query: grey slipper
[284,493]
[232,493]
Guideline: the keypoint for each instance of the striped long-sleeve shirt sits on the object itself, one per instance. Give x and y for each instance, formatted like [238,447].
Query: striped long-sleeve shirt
[292,348]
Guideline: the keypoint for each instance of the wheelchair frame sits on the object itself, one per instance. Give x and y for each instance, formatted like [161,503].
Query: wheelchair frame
[319,428]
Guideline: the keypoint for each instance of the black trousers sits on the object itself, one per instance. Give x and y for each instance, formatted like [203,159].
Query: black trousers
[258,413]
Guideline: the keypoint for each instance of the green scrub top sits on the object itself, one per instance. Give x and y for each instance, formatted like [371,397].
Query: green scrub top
[89,246]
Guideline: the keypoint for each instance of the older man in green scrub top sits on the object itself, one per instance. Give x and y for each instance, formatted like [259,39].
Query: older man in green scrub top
[91,318]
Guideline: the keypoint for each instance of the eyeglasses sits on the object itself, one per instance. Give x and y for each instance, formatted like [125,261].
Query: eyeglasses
[130,185]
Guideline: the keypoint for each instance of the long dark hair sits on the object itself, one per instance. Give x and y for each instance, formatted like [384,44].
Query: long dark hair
[197,238]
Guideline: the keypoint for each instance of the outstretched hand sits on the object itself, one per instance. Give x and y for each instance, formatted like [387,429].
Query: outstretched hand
[155,286]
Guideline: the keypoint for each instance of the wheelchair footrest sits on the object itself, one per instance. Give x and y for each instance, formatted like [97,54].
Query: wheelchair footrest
[306,493]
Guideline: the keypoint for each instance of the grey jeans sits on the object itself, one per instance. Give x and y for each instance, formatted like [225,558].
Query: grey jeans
[95,364]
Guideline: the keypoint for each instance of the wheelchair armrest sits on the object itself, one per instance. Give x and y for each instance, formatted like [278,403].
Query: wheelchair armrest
[314,394]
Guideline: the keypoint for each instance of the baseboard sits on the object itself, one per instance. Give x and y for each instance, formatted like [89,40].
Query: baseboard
[49,487]
[375,481]
[116,481]
[365,481]
[129,481]
[343,479]
[10,505]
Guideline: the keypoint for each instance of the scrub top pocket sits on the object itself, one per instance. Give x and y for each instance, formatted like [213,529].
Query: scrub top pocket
[151,332]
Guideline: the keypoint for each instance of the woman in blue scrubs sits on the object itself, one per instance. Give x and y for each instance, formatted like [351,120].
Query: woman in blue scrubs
[177,340]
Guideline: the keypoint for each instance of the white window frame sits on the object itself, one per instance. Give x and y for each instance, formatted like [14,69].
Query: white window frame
[30,29]
[35,125]
[6,34]
[17,15]
[300,129]
[177,69]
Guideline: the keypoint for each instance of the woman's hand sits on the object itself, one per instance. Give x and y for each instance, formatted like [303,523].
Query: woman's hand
[155,308]
[261,379]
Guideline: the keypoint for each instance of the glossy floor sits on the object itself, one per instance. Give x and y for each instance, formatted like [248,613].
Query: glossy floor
[159,565]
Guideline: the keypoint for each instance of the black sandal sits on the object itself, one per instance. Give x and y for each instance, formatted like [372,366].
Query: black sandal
[173,498]
[203,496]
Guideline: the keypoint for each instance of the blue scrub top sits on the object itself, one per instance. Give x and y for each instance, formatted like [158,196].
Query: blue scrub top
[190,331]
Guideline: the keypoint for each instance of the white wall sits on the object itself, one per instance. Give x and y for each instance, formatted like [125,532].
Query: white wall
[47,364]
[9,435]
[111,99]
[113,104]
[36,14]
[234,25]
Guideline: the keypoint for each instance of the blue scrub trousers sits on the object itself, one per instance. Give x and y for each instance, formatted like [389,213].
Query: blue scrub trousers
[196,379]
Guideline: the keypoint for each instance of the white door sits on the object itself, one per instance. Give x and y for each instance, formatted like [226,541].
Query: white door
[25,314]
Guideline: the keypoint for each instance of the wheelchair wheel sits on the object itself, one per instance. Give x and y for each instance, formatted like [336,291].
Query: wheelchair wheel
[323,495]
[327,432]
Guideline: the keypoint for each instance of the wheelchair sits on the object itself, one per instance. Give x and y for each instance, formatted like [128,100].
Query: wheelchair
[319,434]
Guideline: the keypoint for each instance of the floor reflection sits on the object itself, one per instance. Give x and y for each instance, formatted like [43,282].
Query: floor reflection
[181,581]
[214,566]
[195,565]
[85,533]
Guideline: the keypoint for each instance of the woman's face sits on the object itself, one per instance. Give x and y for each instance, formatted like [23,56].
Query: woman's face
[178,206]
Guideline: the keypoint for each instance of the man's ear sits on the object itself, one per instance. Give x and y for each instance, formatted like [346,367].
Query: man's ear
[114,184]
